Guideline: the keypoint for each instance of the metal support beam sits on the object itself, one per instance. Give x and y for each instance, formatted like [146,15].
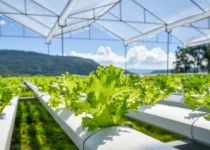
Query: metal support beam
[25,7]
[126,46]
[61,19]
[62,48]
[92,20]
[120,20]
[120,5]
[170,26]
[16,10]
[39,5]
[0,25]
[109,31]
[184,60]
[89,32]
[197,5]
[168,49]
[197,42]
[49,59]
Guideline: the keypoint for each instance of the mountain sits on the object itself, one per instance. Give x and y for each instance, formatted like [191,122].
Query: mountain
[13,62]
[145,71]
[160,71]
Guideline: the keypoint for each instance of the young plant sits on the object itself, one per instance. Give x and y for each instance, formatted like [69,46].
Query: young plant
[197,92]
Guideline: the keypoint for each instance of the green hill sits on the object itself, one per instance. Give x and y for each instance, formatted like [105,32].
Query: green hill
[13,62]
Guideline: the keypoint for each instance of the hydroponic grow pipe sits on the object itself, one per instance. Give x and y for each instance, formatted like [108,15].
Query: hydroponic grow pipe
[175,119]
[7,119]
[119,137]
[177,100]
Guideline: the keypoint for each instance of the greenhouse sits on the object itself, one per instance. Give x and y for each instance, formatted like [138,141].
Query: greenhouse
[52,100]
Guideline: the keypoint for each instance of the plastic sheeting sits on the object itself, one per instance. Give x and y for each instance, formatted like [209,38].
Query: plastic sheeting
[131,21]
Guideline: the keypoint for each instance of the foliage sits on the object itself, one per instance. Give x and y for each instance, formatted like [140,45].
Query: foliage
[9,87]
[106,95]
[192,59]
[35,128]
[197,91]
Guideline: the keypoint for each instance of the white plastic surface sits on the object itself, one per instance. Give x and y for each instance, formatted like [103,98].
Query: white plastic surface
[177,100]
[7,119]
[201,131]
[123,138]
[70,123]
[178,120]
[108,138]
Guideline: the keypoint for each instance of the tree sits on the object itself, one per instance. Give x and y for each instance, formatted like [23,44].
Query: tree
[192,59]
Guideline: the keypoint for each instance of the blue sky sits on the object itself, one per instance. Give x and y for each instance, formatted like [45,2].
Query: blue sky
[81,47]
[141,55]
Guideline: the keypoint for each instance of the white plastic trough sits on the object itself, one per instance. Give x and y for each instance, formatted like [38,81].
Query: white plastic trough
[120,137]
[7,119]
[175,119]
[177,100]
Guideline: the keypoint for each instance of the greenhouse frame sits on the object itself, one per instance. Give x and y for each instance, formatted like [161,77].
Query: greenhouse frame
[146,19]
[191,17]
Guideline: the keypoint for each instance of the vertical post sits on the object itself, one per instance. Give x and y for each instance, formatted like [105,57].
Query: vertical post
[168,49]
[184,59]
[24,34]
[62,48]
[120,4]
[144,15]
[126,46]
[89,32]
[49,63]
[0,22]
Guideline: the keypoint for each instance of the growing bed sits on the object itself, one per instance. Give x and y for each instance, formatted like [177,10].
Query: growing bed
[7,119]
[107,138]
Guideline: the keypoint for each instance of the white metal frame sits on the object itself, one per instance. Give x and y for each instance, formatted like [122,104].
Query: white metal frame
[197,42]
[61,19]
[171,26]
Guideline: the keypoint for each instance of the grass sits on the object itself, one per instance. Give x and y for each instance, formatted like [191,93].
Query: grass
[35,129]
[157,133]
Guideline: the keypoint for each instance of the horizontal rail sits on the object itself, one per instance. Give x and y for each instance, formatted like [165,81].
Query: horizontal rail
[119,137]
[7,119]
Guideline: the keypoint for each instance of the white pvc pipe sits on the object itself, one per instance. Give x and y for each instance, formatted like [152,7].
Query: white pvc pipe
[177,100]
[7,119]
[178,120]
[120,137]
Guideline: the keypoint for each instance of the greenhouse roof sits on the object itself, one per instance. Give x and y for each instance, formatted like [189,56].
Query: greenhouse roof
[130,20]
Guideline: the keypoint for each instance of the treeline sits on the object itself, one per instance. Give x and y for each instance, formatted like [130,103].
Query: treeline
[192,59]
[15,63]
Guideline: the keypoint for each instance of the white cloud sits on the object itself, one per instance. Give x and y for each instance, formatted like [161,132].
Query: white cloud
[61,54]
[137,57]
[140,56]
[104,56]
[2,22]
